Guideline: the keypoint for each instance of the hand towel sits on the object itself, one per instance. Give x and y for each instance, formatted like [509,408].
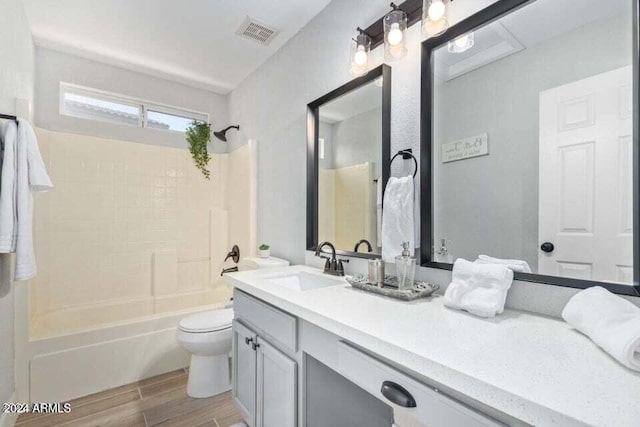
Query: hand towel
[8,139]
[611,322]
[516,265]
[397,217]
[31,175]
[480,289]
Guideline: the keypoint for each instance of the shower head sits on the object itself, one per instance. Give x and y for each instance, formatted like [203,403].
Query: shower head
[222,134]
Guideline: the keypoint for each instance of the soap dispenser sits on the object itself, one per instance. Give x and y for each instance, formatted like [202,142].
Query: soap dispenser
[405,268]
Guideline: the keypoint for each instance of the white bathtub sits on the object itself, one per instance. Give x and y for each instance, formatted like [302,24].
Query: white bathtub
[96,358]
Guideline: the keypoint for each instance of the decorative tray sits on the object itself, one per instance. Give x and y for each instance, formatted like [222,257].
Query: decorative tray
[390,288]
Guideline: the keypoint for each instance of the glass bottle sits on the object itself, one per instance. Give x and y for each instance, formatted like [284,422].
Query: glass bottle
[405,268]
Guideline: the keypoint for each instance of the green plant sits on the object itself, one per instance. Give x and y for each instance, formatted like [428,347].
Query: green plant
[198,135]
[264,247]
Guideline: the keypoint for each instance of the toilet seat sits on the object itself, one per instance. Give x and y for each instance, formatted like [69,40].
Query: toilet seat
[208,321]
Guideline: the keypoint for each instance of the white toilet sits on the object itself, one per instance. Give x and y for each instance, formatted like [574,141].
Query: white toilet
[207,336]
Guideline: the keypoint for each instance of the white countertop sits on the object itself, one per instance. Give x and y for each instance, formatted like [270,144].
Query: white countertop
[534,368]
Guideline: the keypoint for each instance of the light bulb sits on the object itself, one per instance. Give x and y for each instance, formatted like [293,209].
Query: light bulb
[395,35]
[360,57]
[437,10]
[461,42]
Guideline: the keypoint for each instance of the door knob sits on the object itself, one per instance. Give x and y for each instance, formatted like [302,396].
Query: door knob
[547,247]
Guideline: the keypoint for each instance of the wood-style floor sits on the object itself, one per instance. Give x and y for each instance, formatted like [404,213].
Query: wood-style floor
[157,401]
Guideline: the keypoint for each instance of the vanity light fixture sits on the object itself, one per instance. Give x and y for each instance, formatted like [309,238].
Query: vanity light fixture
[360,53]
[462,43]
[395,26]
[434,17]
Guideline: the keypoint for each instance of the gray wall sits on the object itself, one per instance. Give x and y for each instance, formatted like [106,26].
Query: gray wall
[325,131]
[16,81]
[54,67]
[490,204]
[276,117]
[358,139]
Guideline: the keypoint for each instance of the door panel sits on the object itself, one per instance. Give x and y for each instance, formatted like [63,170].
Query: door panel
[277,394]
[244,371]
[586,178]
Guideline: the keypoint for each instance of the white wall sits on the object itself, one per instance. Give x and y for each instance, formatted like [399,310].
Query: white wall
[16,81]
[271,107]
[52,67]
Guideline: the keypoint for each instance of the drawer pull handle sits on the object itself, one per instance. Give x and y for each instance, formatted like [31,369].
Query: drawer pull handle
[254,346]
[397,394]
[248,340]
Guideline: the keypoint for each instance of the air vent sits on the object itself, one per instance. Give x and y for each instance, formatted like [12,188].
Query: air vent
[257,31]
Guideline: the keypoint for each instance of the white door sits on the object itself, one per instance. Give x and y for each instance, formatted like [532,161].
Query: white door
[586,178]
[277,375]
[244,371]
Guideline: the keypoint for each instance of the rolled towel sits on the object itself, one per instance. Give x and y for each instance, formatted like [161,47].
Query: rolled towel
[516,265]
[480,289]
[611,322]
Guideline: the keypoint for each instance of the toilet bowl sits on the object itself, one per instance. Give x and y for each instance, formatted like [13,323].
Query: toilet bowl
[207,336]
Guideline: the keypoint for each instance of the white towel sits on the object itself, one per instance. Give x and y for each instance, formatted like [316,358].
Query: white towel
[31,175]
[480,289]
[397,217]
[516,265]
[610,321]
[8,139]
[379,211]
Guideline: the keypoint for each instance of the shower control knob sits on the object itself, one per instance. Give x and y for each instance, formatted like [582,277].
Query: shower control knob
[547,247]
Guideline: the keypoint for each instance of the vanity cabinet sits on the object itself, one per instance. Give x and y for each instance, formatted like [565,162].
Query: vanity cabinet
[244,371]
[264,377]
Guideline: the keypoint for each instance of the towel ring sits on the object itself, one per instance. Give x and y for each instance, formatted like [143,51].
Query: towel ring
[406,154]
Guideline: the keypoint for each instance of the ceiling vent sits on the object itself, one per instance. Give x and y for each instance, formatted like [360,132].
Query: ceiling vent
[257,31]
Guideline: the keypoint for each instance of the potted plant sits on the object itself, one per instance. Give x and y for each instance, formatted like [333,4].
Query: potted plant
[264,251]
[199,135]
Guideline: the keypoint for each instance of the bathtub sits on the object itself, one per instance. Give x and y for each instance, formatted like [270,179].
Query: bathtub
[94,358]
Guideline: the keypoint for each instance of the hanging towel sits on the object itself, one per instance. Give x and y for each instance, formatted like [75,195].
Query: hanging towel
[611,322]
[31,175]
[397,217]
[480,289]
[516,265]
[8,140]
[379,211]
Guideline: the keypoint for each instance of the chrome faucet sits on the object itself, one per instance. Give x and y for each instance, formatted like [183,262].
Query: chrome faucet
[332,265]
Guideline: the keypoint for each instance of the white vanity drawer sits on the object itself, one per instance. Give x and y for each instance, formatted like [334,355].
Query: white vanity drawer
[431,407]
[271,323]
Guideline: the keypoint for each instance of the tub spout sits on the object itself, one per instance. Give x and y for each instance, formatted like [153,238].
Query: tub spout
[228,270]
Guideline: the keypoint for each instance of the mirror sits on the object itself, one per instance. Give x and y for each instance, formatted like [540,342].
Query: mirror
[531,141]
[349,140]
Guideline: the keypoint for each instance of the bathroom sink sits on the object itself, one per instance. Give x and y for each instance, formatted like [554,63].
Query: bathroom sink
[303,281]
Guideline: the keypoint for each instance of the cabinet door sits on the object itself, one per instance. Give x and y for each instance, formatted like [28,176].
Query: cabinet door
[277,397]
[244,371]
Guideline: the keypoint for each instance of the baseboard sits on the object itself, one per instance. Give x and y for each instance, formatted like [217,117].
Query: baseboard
[8,419]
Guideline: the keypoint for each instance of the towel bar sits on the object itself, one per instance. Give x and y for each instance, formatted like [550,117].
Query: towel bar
[406,154]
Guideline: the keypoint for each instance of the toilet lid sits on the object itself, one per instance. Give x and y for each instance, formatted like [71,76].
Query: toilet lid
[208,321]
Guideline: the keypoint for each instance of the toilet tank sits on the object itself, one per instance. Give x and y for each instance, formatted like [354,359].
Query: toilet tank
[256,263]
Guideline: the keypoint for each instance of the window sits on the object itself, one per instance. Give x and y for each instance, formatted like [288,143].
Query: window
[93,104]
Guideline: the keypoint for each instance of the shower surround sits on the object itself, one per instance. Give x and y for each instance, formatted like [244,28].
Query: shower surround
[131,230]
[131,238]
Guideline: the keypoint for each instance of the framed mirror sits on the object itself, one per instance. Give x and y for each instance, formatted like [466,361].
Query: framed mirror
[348,147]
[529,142]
